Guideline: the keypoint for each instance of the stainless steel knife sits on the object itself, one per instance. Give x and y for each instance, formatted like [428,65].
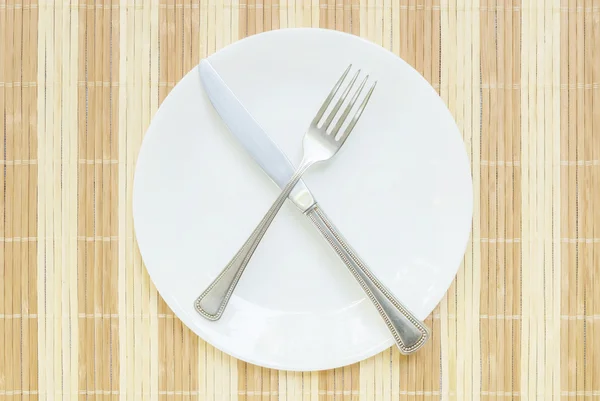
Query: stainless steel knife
[408,332]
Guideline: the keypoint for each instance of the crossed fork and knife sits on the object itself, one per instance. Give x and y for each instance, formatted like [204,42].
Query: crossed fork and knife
[323,138]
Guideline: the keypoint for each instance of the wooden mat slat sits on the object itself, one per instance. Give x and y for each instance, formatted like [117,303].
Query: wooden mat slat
[79,83]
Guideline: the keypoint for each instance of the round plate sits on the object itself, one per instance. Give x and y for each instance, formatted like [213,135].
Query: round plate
[399,190]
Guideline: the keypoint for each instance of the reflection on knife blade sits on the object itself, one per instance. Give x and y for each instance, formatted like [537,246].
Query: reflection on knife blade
[251,135]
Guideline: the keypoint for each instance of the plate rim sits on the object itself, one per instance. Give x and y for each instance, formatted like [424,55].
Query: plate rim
[340,362]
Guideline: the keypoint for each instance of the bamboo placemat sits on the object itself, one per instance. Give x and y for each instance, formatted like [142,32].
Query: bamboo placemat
[79,84]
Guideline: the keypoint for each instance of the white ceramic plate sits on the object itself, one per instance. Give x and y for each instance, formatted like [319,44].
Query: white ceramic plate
[399,190]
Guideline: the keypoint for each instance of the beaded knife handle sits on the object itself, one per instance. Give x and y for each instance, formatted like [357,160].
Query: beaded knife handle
[409,332]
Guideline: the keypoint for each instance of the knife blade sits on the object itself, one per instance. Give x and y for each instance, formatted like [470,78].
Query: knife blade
[408,332]
[251,135]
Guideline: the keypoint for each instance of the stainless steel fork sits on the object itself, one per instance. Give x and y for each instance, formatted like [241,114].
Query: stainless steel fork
[321,142]
[409,333]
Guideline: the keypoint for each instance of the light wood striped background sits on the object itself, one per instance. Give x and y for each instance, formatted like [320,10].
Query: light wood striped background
[79,83]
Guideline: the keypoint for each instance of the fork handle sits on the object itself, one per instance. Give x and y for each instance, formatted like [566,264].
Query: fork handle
[212,302]
[409,332]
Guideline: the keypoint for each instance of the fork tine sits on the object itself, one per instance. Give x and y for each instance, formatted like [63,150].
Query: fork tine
[336,87]
[340,101]
[359,112]
[348,108]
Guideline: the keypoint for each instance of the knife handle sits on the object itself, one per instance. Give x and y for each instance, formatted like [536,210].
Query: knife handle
[409,332]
